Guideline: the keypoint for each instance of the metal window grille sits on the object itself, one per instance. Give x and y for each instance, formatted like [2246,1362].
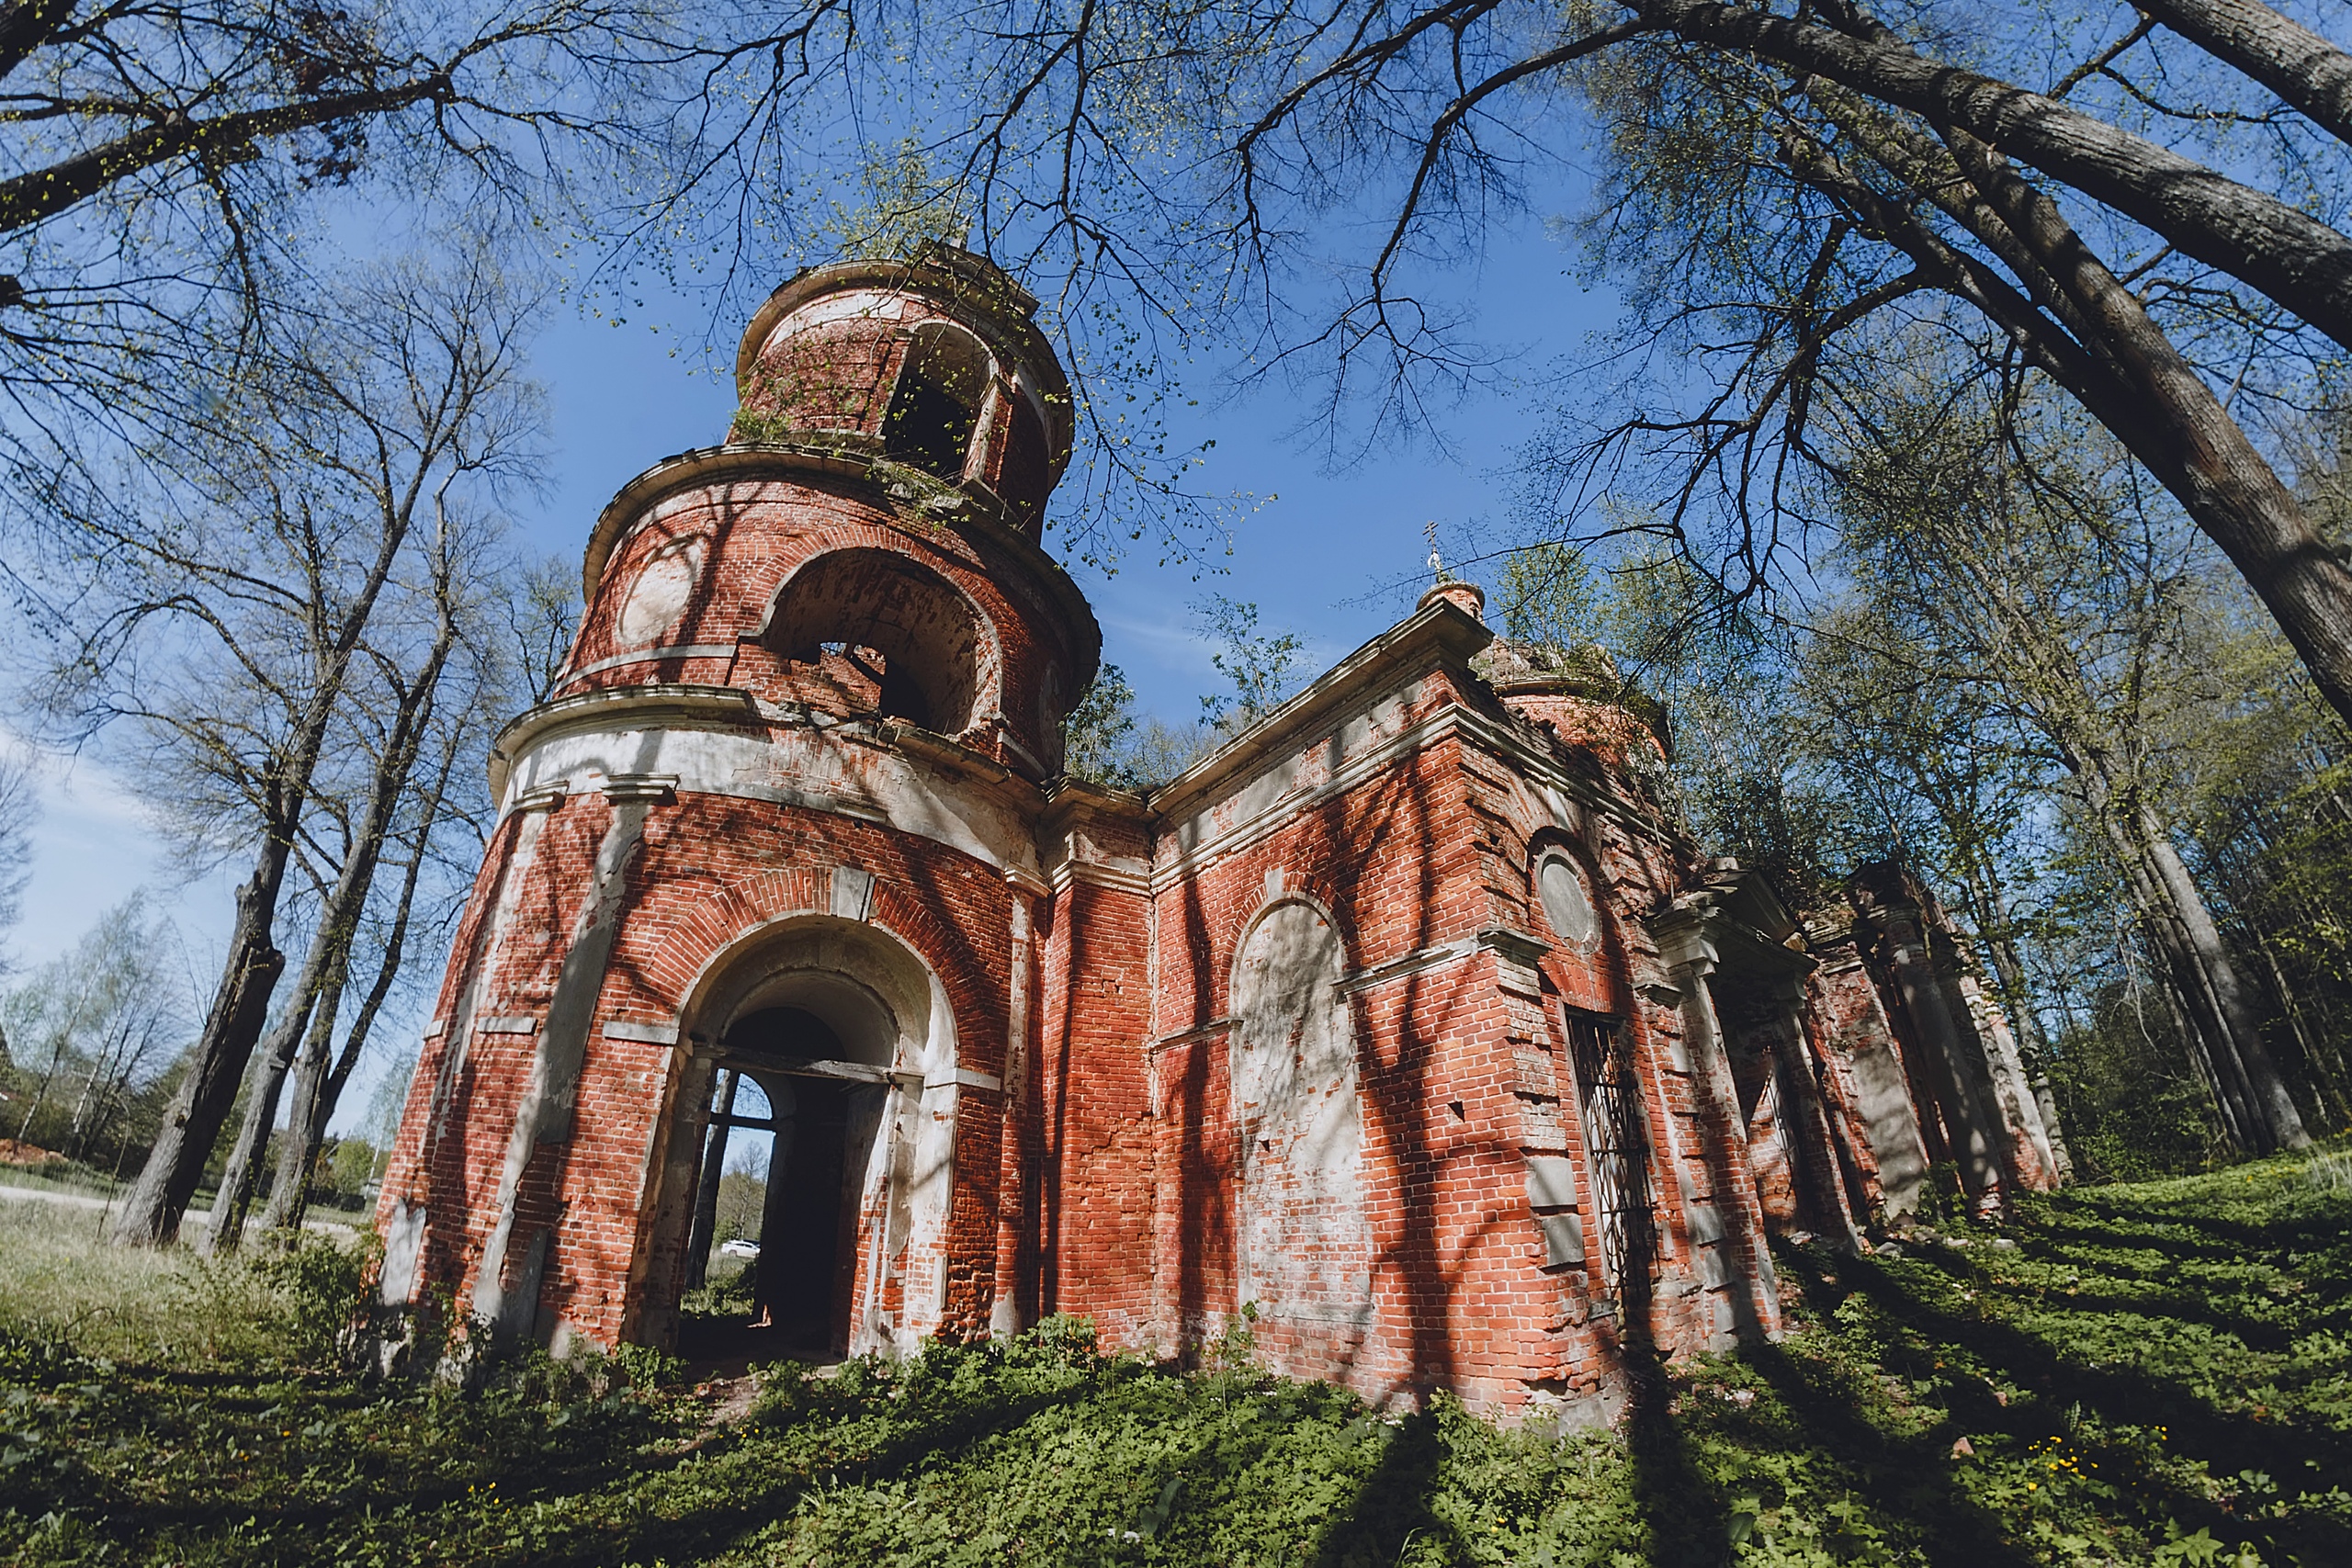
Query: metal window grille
[1617,1144]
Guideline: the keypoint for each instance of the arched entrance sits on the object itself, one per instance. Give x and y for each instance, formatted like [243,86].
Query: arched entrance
[810,1041]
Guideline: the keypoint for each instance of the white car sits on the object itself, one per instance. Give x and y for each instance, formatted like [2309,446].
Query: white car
[739,1248]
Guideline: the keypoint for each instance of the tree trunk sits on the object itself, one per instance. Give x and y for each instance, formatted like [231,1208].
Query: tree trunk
[95,1089]
[176,1164]
[316,1094]
[2001,949]
[2324,1084]
[2118,363]
[56,1057]
[2278,248]
[2281,1123]
[2208,1009]
[2204,1027]
[2305,70]
[25,25]
[714,1158]
[150,1214]
[316,1088]
[242,1173]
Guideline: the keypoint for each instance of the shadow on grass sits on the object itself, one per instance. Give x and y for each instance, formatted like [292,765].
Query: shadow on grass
[1392,1507]
[1683,1508]
[2226,1441]
[697,1531]
[1910,1479]
[2170,1302]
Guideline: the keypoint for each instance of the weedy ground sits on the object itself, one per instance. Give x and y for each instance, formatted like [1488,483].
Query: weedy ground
[2158,1373]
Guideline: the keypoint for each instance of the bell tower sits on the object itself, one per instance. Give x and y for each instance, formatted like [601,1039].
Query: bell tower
[880,500]
[771,841]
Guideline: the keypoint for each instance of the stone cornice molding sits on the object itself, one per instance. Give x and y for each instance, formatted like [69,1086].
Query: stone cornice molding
[1698,936]
[1511,946]
[1456,720]
[646,707]
[1438,636]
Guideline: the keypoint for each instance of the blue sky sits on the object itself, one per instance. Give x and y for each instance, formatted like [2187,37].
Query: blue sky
[1315,556]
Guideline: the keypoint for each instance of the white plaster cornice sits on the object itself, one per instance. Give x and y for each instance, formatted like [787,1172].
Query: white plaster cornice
[635,707]
[653,654]
[657,744]
[1439,636]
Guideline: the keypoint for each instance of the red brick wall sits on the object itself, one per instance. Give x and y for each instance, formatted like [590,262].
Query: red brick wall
[1090,1209]
[758,532]
[711,869]
[1427,852]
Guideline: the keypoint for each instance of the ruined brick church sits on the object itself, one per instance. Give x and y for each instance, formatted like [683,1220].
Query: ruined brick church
[1409,1018]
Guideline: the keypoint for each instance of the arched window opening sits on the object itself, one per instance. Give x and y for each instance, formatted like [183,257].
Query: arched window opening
[936,403]
[895,640]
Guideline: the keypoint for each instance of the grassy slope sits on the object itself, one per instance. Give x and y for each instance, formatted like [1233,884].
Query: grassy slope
[2157,1373]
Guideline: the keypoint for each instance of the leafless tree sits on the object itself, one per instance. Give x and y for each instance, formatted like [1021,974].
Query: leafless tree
[2143,205]
[166,168]
[387,716]
[220,611]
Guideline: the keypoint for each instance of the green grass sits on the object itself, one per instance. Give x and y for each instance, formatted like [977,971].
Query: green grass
[2159,1373]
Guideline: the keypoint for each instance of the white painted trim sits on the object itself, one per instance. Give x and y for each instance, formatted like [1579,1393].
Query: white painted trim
[1507,945]
[651,655]
[1198,1031]
[1060,874]
[1410,963]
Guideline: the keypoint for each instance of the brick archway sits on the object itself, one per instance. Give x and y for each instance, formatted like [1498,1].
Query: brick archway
[834,958]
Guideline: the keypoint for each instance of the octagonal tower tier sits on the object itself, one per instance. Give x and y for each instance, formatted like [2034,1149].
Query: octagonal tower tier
[865,545]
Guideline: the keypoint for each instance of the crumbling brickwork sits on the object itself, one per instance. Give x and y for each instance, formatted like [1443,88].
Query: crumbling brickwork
[1408,1029]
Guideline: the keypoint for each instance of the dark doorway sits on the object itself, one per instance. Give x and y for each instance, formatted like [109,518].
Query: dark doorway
[801,1278]
[792,1298]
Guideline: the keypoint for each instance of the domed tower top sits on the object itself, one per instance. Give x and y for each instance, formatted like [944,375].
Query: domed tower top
[933,362]
[866,543]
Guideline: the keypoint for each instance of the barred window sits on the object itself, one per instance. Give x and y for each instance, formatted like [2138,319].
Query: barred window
[1617,1144]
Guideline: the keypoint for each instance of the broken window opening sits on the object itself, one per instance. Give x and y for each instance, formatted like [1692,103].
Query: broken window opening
[897,693]
[899,641]
[1617,1146]
[936,405]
